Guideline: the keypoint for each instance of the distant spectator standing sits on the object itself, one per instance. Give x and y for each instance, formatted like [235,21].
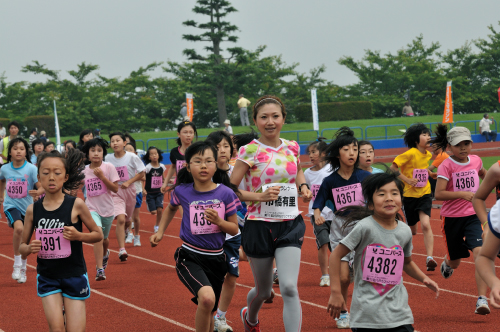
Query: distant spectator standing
[2,131]
[85,136]
[97,133]
[43,136]
[4,143]
[33,135]
[407,110]
[484,125]
[228,128]
[243,104]
[184,111]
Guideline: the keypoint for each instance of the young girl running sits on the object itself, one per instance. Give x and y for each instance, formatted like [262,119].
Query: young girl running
[209,212]
[155,177]
[367,157]
[17,178]
[382,246]
[186,132]
[343,188]
[101,179]
[37,148]
[417,201]
[314,177]
[274,227]
[136,217]
[130,169]
[57,222]
[458,180]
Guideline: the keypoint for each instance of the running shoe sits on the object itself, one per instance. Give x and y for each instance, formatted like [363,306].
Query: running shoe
[129,238]
[275,276]
[248,327]
[22,277]
[446,271]
[343,321]
[221,325]
[431,264]
[324,281]
[100,275]
[122,255]
[16,273]
[156,229]
[137,242]
[271,298]
[105,260]
[132,226]
[482,307]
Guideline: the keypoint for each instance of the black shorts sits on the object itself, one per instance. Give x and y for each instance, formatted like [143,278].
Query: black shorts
[456,229]
[232,250]
[154,201]
[260,239]
[322,233]
[75,288]
[411,206]
[14,215]
[198,267]
[402,328]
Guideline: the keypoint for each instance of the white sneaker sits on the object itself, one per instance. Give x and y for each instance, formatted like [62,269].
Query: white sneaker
[482,307]
[343,321]
[221,325]
[130,238]
[137,242]
[16,274]
[156,229]
[22,278]
[325,281]
[132,226]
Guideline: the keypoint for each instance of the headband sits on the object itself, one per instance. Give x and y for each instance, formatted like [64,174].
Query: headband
[260,101]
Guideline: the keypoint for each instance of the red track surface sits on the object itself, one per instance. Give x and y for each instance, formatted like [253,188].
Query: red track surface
[144,294]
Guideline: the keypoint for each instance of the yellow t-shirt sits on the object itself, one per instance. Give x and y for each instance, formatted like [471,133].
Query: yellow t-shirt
[407,162]
[243,102]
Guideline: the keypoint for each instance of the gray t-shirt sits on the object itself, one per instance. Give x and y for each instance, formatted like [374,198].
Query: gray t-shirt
[383,308]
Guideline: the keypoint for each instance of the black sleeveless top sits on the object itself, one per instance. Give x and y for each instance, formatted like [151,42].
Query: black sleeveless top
[72,266]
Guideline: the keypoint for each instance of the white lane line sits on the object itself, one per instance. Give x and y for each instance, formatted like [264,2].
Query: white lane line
[126,303]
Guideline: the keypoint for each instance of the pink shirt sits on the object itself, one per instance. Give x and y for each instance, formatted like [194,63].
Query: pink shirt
[449,170]
[102,204]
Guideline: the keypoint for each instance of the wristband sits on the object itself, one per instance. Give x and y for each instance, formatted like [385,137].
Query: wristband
[304,184]
[485,223]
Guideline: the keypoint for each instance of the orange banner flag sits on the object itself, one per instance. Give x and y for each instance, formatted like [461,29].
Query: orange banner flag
[189,102]
[448,105]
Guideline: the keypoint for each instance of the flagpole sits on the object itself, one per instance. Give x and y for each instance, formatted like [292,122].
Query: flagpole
[58,136]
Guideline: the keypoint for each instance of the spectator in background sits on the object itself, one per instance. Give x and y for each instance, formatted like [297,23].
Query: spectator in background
[49,146]
[97,133]
[43,136]
[407,110]
[33,135]
[228,128]
[37,147]
[184,111]
[85,136]
[484,126]
[2,131]
[4,143]
[243,104]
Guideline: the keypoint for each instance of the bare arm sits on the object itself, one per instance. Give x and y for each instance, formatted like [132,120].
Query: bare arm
[166,218]
[443,195]
[485,266]
[26,248]
[404,178]
[336,301]
[271,194]
[490,181]
[230,226]
[413,271]
[170,173]
[83,212]
[136,177]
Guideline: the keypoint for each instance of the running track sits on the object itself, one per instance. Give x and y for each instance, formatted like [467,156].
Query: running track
[144,294]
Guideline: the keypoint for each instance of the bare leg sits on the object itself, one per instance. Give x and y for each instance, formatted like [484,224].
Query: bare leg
[323,256]
[52,306]
[75,314]
[482,288]
[227,292]
[427,230]
[204,320]
[120,230]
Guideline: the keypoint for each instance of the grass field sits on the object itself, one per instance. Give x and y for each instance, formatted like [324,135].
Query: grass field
[309,134]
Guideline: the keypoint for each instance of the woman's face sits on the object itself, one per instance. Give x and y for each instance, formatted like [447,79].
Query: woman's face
[269,120]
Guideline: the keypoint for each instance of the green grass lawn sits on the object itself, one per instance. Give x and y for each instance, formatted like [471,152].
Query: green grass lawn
[308,134]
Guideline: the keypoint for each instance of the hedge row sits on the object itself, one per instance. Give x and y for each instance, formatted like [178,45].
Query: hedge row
[41,122]
[337,111]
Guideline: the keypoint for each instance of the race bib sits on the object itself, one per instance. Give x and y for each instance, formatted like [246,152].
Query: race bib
[179,164]
[314,190]
[383,265]
[54,245]
[348,195]
[200,225]
[95,187]
[156,182]
[122,173]
[421,175]
[285,207]
[17,189]
[466,181]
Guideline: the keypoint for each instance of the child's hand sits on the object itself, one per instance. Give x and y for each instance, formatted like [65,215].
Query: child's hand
[306,194]
[125,185]
[33,193]
[412,182]
[155,239]
[271,194]
[433,175]
[99,173]
[1,200]
[70,233]
[335,305]
[467,196]
[495,295]
[144,192]
[35,246]
[319,221]
[432,285]
[212,216]
[163,188]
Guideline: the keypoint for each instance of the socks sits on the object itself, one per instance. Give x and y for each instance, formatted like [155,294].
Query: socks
[221,314]
[137,237]
[23,263]
[122,249]
[17,260]
[325,275]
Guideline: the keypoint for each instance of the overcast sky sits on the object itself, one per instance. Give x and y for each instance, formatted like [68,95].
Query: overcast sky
[120,36]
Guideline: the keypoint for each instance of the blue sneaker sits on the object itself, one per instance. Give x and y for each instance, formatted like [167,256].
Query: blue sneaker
[105,260]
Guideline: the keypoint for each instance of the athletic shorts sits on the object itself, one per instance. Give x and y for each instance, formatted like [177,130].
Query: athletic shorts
[402,328]
[232,250]
[322,233]
[198,267]
[75,288]
[154,201]
[411,206]
[138,200]
[461,234]
[260,239]
[124,202]
[103,222]
[13,215]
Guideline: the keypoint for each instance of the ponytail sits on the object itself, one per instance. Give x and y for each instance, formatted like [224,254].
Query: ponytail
[440,141]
